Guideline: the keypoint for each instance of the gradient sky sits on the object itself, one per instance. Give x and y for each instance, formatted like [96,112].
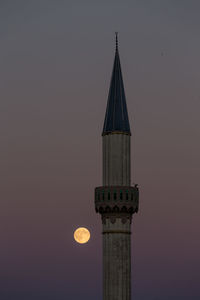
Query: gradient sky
[56,60]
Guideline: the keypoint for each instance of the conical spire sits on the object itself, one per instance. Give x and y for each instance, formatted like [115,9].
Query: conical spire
[116,119]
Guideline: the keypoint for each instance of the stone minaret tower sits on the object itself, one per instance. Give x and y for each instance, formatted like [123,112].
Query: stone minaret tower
[116,200]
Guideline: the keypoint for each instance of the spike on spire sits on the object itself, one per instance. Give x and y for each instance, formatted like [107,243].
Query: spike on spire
[116,119]
[116,40]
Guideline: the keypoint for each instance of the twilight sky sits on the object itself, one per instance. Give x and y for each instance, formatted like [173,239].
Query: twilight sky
[56,60]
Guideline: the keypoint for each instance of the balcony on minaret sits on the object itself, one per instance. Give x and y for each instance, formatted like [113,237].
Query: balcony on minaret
[121,199]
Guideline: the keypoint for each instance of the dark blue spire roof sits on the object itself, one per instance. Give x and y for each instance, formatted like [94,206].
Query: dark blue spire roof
[116,119]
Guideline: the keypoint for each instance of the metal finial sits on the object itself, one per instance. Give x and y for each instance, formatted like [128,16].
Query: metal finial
[116,40]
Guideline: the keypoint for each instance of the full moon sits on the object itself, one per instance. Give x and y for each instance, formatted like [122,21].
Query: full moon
[81,235]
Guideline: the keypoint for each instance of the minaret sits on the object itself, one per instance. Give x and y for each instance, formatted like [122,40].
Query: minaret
[116,200]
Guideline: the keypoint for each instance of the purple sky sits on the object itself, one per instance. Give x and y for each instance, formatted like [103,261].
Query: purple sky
[56,60]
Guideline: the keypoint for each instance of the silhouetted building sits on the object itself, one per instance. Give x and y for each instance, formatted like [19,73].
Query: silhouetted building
[116,200]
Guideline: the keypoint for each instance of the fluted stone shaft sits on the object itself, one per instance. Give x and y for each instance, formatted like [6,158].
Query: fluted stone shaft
[116,260]
[116,160]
